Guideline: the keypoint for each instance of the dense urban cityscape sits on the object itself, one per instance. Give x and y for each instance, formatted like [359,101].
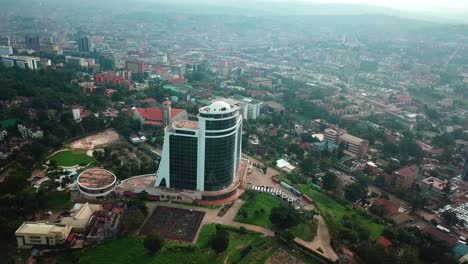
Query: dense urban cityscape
[203,132]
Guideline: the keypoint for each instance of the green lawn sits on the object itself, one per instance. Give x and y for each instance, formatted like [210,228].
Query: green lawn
[131,250]
[305,231]
[6,123]
[69,158]
[333,211]
[205,235]
[254,204]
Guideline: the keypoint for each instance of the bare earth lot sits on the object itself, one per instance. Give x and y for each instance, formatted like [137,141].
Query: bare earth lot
[174,224]
[98,139]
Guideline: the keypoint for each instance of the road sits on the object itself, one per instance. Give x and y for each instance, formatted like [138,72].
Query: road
[393,198]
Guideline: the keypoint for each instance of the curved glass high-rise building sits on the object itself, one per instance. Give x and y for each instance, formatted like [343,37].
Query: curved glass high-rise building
[202,156]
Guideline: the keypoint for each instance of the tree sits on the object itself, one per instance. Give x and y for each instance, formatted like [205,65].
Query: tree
[450,217]
[308,165]
[330,181]
[355,191]
[284,216]
[15,181]
[143,195]
[446,190]
[92,123]
[220,240]
[409,255]
[153,242]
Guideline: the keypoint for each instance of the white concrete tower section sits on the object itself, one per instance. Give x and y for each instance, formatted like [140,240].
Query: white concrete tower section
[167,113]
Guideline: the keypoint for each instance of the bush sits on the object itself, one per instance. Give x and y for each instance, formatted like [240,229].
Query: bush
[245,251]
[153,242]
[220,240]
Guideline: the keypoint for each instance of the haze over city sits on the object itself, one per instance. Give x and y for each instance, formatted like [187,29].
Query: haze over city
[262,131]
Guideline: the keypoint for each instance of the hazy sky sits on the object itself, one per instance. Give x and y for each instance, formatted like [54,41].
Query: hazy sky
[413,5]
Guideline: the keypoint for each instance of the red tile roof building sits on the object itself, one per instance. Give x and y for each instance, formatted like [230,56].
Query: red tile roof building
[155,116]
[384,242]
[390,208]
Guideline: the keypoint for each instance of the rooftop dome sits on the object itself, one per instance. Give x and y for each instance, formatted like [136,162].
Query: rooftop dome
[218,107]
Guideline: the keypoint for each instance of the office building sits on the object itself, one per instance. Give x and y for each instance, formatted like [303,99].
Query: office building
[84,45]
[127,75]
[32,234]
[32,42]
[106,62]
[5,41]
[6,50]
[203,156]
[76,61]
[248,107]
[22,62]
[333,135]
[405,177]
[134,66]
[464,175]
[257,82]
[354,146]
[273,107]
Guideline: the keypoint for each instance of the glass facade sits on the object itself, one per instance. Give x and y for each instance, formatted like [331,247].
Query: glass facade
[220,133]
[238,147]
[220,124]
[183,162]
[219,197]
[217,115]
[219,162]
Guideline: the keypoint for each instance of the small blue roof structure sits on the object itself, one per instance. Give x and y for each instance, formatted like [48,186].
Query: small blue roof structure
[460,250]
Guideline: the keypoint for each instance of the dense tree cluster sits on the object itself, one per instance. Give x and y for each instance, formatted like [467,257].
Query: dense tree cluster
[409,245]
[284,217]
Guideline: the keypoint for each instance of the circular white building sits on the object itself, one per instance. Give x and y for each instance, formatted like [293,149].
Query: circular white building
[96,182]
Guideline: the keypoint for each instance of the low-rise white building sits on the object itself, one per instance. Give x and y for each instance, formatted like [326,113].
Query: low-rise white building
[30,131]
[23,62]
[249,108]
[31,234]
[6,50]
[3,134]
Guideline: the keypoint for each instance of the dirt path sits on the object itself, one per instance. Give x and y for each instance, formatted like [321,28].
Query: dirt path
[321,240]
[228,219]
